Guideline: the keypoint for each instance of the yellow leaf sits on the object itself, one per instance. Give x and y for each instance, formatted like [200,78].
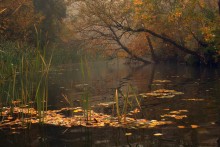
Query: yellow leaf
[158,134]
[138,2]
[194,126]
[181,127]
[128,134]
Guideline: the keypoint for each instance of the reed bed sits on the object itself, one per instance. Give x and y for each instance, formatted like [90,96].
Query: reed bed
[24,77]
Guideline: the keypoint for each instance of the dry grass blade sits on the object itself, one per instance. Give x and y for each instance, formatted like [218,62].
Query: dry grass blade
[117,105]
[2,12]
[65,97]
[136,98]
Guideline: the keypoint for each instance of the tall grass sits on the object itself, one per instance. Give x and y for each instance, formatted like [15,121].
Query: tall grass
[127,101]
[117,105]
[85,70]
[24,75]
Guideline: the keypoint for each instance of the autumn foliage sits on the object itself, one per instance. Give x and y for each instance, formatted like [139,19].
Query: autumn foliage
[18,18]
[175,27]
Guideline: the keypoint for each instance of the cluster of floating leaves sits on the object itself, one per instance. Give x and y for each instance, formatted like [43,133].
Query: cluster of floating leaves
[176,114]
[79,117]
[162,93]
[17,120]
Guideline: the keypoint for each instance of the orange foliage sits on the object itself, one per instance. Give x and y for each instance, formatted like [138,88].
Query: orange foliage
[138,2]
[139,45]
[17,19]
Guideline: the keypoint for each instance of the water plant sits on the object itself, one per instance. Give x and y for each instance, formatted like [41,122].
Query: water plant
[24,76]
[127,99]
[117,105]
[85,70]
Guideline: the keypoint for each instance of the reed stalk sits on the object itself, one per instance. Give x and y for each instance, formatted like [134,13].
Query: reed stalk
[117,105]
[126,102]
[32,81]
[85,96]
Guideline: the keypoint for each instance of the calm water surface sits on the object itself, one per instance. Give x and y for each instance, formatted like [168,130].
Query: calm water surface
[200,125]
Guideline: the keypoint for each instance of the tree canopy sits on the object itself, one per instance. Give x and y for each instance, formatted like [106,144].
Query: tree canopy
[191,27]
[19,18]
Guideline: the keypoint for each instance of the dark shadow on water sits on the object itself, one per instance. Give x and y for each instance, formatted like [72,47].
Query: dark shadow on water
[87,137]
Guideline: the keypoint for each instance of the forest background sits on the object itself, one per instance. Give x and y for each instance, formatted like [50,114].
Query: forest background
[148,31]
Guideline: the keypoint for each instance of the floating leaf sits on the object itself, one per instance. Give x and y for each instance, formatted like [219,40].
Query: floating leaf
[135,111]
[128,134]
[193,99]
[183,111]
[158,134]
[164,91]
[181,127]
[177,93]
[9,117]
[194,126]
[107,104]
[175,112]
[161,81]
[213,123]
[15,102]
[14,132]
[166,96]
[78,110]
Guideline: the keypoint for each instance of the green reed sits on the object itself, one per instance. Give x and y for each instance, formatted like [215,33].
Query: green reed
[85,98]
[24,76]
[43,67]
[127,101]
[117,105]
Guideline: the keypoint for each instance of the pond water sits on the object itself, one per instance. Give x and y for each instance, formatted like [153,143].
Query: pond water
[193,113]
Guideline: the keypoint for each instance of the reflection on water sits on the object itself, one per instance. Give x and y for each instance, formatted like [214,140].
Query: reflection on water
[195,112]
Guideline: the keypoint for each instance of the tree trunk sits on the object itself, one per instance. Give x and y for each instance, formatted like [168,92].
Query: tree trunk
[154,57]
[166,39]
[127,50]
[219,7]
